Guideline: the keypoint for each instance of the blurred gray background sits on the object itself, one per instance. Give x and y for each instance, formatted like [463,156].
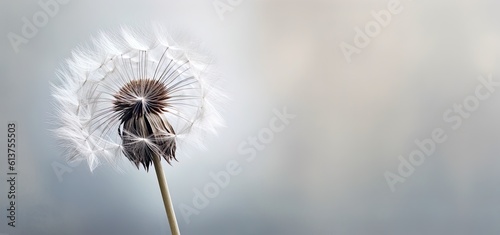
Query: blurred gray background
[324,173]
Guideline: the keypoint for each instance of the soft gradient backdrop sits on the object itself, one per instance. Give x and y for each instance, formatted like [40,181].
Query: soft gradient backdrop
[324,173]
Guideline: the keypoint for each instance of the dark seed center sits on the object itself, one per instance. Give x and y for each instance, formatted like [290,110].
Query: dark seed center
[139,97]
[145,134]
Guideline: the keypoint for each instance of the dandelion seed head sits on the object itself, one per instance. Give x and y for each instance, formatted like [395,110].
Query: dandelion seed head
[134,94]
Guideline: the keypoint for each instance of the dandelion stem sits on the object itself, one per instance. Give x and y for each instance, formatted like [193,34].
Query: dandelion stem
[167,201]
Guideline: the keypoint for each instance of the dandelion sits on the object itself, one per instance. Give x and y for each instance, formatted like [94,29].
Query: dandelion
[135,94]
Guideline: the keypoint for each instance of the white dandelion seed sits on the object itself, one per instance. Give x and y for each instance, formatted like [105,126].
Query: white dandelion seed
[136,94]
